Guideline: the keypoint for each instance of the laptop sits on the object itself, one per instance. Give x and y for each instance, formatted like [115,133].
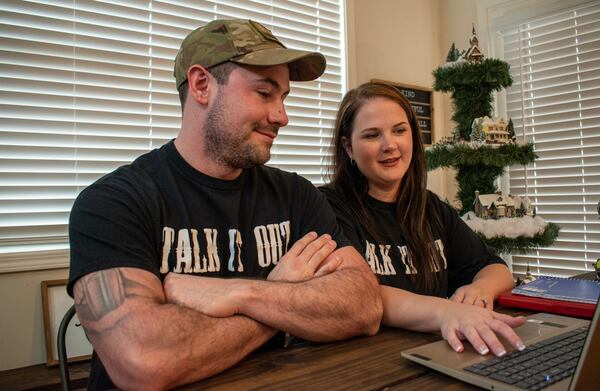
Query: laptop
[567,351]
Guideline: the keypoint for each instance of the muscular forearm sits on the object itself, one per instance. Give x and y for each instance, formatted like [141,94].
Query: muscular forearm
[180,346]
[342,304]
[495,278]
[146,343]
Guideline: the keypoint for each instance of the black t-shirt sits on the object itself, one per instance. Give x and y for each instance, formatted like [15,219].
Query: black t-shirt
[161,215]
[462,252]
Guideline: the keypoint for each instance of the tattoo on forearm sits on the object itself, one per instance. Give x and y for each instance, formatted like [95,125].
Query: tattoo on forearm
[104,292]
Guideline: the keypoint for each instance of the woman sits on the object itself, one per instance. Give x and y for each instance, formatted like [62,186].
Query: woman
[418,246]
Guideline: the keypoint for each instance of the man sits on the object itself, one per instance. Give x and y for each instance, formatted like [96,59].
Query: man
[158,246]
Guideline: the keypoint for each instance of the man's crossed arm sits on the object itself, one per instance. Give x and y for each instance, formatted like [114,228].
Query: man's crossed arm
[341,303]
[146,343]
[151,338]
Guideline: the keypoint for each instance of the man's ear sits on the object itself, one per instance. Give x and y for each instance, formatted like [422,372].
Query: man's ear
[347,146]
[199,83]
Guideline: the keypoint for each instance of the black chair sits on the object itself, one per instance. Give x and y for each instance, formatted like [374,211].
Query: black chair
[65,378]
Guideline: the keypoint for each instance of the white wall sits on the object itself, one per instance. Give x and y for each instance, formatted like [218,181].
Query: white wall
[404,41]
[22,326]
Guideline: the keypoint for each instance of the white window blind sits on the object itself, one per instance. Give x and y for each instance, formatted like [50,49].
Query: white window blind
[555,103]
[87,86]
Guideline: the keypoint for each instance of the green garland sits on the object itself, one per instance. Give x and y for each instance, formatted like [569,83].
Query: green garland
[455,155]
[477,167]
[490,73]
[523,244]
[471,85]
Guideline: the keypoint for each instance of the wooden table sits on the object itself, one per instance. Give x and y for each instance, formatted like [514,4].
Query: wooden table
[363,363]
[366,363]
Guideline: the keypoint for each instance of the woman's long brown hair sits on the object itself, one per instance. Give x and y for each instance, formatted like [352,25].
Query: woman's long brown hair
[415,217]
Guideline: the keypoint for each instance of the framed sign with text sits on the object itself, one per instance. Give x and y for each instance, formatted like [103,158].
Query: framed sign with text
[420,99]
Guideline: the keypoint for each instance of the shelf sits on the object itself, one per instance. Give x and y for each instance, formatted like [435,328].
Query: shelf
[470,154]
[523,244]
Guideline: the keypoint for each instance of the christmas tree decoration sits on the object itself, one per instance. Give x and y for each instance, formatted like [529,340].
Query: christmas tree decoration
[471,79]
[510,128]
[453,54]
[477,133]
[481,147]
[471,85]
[477,165]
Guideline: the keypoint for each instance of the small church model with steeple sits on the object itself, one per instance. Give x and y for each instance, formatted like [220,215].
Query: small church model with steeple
[473,53]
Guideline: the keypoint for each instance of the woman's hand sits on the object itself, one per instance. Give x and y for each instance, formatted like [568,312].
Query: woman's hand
[487,284]
[456,321]
[480,327]
[474,294]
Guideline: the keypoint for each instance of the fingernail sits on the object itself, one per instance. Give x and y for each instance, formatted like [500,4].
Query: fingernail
[458,349]
[521,345]
[501,353]
[484,350]
[331,243]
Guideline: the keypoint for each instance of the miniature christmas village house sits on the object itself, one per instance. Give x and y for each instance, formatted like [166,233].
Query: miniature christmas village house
[473,53]
[496,206]
[489,131]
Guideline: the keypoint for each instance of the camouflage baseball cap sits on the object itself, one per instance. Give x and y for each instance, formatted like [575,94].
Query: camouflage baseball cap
[243,42]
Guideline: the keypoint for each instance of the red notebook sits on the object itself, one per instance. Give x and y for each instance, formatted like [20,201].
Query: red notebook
[569,308]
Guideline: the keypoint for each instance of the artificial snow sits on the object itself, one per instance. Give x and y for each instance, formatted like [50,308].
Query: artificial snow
[510,227]
[456,63]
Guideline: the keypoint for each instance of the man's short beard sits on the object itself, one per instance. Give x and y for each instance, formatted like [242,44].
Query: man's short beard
[227,147]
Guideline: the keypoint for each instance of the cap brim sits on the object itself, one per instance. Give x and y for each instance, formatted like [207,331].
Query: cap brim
[304,66]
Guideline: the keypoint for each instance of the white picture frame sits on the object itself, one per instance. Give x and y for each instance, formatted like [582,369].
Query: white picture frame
[55,303]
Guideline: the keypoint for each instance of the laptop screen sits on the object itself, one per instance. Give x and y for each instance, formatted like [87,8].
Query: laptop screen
[586,376]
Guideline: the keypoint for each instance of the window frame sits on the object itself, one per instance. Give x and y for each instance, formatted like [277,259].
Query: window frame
[502,18]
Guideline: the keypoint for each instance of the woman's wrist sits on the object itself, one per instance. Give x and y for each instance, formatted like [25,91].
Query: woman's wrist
[440,310]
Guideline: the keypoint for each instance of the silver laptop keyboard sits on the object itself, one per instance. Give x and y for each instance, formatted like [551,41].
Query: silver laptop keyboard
[539,365]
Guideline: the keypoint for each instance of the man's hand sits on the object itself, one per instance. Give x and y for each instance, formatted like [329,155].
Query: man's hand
[216,297]
[474,294]
[308,258]
[220,298]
